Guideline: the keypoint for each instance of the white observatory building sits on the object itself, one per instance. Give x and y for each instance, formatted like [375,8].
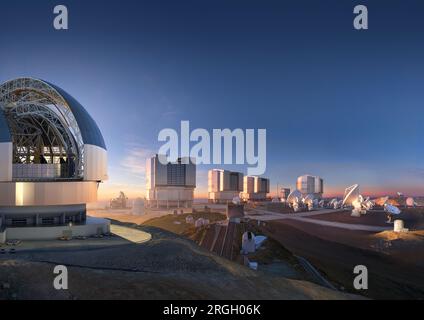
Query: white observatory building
[52,159]
[170,185]
[310,185]
[255,188]
[224,185]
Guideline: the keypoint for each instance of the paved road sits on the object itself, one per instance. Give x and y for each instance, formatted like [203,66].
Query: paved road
[263,215]
[348,226]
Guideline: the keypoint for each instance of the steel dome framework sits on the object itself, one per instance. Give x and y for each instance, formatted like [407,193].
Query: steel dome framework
[42,126]
[52,159]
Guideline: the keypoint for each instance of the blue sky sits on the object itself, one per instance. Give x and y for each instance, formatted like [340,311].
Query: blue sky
[336,102]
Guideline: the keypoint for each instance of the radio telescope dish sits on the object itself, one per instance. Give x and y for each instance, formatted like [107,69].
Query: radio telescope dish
[391,209]
[368,204]
[410,202]
[308,199]
[350,195]
[294,196]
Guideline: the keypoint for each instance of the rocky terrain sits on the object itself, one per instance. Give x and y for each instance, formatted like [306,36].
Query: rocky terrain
[167,267]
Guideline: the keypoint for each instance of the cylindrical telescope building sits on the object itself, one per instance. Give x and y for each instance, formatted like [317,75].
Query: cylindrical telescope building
[52,156]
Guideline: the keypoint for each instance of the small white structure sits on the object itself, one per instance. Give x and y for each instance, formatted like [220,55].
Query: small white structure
[410,202]
[399,226]
[189,219]
[138,207]
[259,240]
[198,223]
[201,222]
[253,265]
[248,244]
[236,200]
[391,211]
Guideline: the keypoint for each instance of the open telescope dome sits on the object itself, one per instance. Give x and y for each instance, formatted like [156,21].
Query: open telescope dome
[47,126]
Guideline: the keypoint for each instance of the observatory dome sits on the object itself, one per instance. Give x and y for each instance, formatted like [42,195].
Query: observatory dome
[52,155]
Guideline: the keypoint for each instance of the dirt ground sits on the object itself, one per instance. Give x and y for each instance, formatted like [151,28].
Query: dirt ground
[177,223]
[371,218]
[335,252]
[167,267]
[126,215]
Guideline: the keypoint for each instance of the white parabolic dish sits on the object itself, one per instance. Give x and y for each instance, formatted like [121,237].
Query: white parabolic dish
[351,194]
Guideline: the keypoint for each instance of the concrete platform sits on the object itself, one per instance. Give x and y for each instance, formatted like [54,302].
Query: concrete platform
[92,226]
[130,234]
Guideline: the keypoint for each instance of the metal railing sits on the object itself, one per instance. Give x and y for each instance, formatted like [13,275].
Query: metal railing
[42,171]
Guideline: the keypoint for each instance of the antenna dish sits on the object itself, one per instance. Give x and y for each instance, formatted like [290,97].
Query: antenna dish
[391,209]
[308,199]
[294,196]
[350,195]
[410,202]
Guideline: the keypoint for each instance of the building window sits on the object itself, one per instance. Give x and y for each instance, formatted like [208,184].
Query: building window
[19,222]
[176,174]
[234,181]
[47,221]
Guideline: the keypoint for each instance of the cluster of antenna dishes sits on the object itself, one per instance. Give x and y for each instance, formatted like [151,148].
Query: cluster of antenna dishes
[352,199]
[297,201]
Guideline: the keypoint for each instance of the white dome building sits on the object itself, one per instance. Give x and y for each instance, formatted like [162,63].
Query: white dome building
[52,158]
[248,244]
